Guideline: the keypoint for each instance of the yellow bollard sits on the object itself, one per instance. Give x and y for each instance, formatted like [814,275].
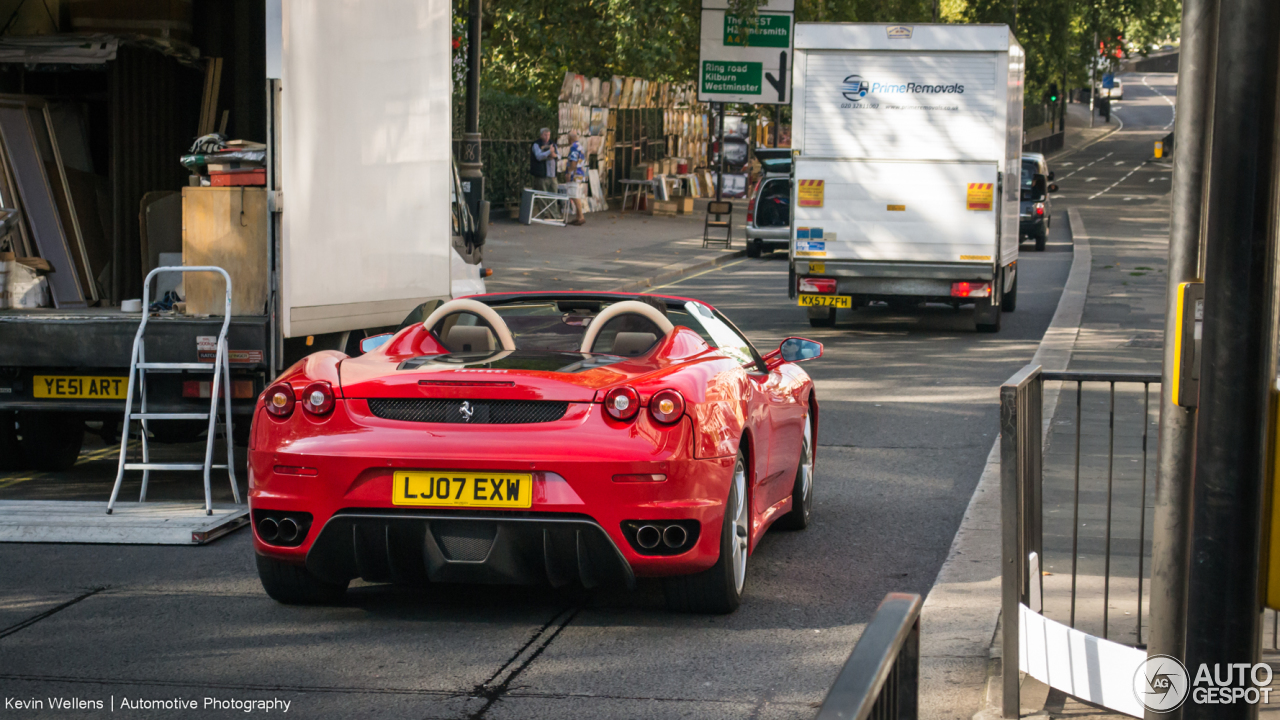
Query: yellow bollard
[1159,149]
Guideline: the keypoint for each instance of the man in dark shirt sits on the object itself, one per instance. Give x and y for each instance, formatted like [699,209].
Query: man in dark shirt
[542,164]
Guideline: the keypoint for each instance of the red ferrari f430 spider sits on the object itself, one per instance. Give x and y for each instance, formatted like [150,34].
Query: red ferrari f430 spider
[526,438]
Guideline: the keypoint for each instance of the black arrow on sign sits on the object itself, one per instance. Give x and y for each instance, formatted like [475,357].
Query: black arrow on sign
[780,82]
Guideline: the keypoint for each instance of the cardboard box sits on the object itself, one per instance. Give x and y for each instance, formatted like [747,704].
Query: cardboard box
[643,171]
[666,207]
[684,204]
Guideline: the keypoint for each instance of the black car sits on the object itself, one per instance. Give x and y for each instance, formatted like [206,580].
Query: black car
[1034,213]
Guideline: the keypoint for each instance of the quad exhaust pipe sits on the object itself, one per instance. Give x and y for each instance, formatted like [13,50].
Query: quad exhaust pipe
[289,530]
[648,537]
[269,530]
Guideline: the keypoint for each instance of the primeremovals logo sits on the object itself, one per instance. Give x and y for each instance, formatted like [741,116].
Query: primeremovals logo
[854,88]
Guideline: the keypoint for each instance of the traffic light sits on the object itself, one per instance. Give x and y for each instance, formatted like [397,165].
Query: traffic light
[1053,92]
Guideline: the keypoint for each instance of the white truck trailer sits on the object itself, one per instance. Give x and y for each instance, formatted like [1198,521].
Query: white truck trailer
[364,223]
[907,143]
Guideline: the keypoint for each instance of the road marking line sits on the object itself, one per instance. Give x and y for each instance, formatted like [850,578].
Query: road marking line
[1167,99]
[1126,177]
[1073,172]
[704,272]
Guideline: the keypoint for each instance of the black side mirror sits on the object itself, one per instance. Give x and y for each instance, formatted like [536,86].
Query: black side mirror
[795,349]
[374,342]
[1053,188]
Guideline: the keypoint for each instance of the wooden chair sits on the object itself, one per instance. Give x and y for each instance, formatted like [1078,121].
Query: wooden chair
[718,209]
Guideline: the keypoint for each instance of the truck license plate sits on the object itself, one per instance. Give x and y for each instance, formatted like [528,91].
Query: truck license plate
[839,301]
[79,387]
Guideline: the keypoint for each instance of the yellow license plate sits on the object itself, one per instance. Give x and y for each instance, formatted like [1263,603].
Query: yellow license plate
[840,301]
[80,387]
[444,488]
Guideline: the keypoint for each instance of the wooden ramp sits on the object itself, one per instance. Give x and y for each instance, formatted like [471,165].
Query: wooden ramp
[150,523]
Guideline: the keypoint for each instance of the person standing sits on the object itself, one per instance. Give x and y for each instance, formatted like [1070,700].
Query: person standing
[577,176]
[542,163]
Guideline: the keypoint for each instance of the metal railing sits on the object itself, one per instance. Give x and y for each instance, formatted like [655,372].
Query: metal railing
[881,678]
[1022,476]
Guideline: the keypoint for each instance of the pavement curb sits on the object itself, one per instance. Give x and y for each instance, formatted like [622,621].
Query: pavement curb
[961,614]
[679,271]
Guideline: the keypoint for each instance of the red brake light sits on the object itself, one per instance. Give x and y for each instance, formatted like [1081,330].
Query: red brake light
[817,285]
[970,289]
[622,403]
[666,406]
[317,399]
[751,204]
[280,400]
[1039,208]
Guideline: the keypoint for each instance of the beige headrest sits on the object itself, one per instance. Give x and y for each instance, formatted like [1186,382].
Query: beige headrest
[632,343]
[469,338]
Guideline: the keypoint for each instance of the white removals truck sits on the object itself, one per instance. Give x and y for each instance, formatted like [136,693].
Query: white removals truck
[906,143]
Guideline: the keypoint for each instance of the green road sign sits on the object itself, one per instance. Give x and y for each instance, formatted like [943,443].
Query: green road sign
[772,31]
[731,77]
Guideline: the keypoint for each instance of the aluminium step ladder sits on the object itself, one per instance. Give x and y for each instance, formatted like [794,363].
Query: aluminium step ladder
[221,384]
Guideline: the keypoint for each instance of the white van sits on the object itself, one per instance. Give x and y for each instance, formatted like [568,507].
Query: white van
[907,143]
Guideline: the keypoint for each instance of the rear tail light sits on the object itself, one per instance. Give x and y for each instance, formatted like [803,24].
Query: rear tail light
[1040,208]
[970,289]
[280,400]
[317,399]
[817,285]
[751,204]
[240,389]
[666,406]
[622,403]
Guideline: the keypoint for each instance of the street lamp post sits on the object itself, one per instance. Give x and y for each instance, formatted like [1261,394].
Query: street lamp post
[470,166]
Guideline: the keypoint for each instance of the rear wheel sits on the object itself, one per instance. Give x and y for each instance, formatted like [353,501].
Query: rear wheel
[295,585]
[10,451]
[51,441]
[802,493]
[991,325]
[1009,302]
[753,248]
[826,318]
[718,589]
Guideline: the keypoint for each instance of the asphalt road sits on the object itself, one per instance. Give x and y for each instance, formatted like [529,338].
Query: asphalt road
[909,415]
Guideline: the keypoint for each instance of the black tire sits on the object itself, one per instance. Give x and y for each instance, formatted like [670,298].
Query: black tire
[1009,302]
[753,248]
[716,589]
[174,432]
[11,456]
[1041,239]
[802,489]
[993,327]
[50,441]
[295,585]
[828,321]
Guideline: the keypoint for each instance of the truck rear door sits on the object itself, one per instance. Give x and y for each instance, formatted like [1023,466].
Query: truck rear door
[898,155]
[365,162]
[896,211]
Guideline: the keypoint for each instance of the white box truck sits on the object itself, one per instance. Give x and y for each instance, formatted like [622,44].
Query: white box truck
[906,143]
[365,224]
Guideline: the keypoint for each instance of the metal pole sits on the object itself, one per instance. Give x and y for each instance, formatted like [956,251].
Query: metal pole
[1231,425]
[1093,77]
[470,167]
[1171,531]
[720,175]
